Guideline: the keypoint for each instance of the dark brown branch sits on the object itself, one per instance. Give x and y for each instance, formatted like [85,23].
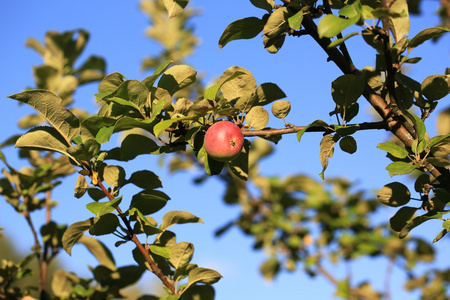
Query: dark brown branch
[295,129]
[333,53]
[343,46]
[154,268]
[396,124]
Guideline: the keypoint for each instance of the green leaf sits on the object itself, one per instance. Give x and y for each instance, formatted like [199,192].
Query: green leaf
[246,28]
[268,92]
[183,272]
[315,123]
[212,91]
[200,292]
[132,93]
[348,144]
[238,85]
[270,268]
[96,194]
[74,233]
[343,289]
[281,108]
[175,7]
[145,179]
[49,106]
[347,89]
[163,125]
[132,146]
[394,194]
[212,166]
[393,149]
[353,10]
[99,250]
[101,208]
[109,84]
[178,217]
[419,125]
[177,77]
[416,222]
[105,224]
[170,297]
[126,276]
[98,128]
[277,23]
[436,87]
[440,235]
[30,121]
[62,283]
[426,35]
[295,21]
[326,151]
[399,25]
[257,118]
[203,275]
[114,175]
[400,167]
[149,201]
[44,138]
[182,254]
[331,25]
[438,161]
[437,139]
[85,151]
[239,166]
[147,224]
[401,217]
[161,251]
[150,80]
[272,45]
[346,130]
[81,186]
[341,40]
[263,4]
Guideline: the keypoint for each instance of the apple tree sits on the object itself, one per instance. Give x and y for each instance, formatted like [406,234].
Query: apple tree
[299,221]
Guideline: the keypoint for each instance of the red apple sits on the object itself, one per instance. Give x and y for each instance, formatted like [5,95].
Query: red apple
[224,141]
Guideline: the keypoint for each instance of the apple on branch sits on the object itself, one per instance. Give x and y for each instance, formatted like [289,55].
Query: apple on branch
[224,141]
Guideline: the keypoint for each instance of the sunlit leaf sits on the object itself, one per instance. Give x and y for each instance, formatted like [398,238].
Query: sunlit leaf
[175,7]
[178,217]
[49,106]
[394,194]
[182,254]
[393,149]
[326,151]
[425,35]
[277,22]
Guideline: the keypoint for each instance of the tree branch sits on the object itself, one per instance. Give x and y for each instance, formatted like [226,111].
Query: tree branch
[334,281]
[294,129]
[154,268]
[396,124]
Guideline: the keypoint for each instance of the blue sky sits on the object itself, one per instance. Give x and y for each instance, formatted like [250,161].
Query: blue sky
[300,69]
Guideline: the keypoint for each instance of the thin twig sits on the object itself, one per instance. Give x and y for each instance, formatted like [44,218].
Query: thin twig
[387,279]
[334,281]
[37,246]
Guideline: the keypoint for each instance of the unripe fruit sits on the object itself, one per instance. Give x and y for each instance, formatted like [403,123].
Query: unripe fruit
[224,141]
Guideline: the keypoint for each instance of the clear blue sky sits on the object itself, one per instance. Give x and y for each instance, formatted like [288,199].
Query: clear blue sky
[300,69]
